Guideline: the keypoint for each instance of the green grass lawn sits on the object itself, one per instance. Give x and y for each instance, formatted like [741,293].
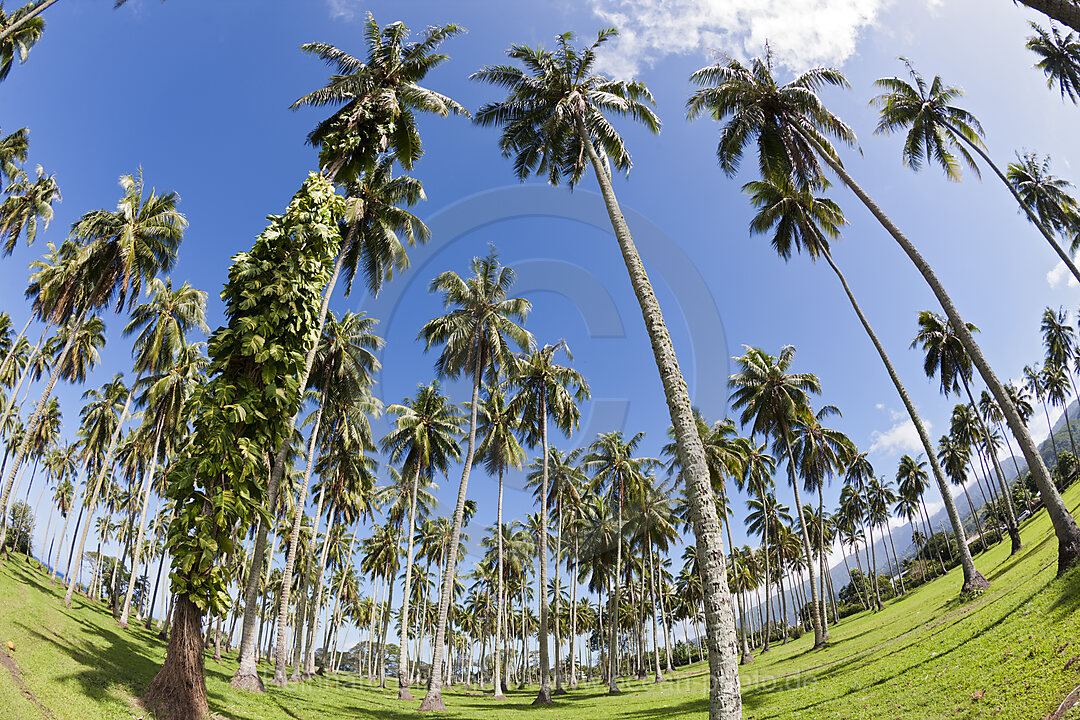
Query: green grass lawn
[1005,654]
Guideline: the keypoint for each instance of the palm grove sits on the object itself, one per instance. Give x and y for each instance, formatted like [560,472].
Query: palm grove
[233,439]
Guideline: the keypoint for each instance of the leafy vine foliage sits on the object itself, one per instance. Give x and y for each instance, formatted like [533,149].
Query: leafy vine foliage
[241,415]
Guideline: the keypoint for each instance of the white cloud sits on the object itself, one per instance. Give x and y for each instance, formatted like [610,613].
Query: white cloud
[344,9]
[901,437]
[801,33]
[1060,273]
[880,406]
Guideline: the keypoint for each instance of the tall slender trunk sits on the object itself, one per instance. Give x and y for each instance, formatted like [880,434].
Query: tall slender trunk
[106,463]
[725,699]
[874,572]
[153,597]
[847,567]
[317,591]
[500,624]
[433,699]
[559,689]
[768,588]
[804,532]
[1010,515]
[147,486]
[1050,428]
[544,696]
[930,532]
[613,603]
[978,522]
[403,653]
[1065,528]
[12,402]
[896,558]
[973,579]
[655,632]
[822,572]
[39,410]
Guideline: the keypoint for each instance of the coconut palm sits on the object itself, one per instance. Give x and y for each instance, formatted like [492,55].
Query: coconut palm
[545,390]
[127,248]
[27,208]
[938,131]
[476,336]
[500,451]
[855,503]
[1059,59]
[911,482]
[162,324]
[424,441]
[945,356]
[1055,383]
[554,119]
[773,401]
[766,516]
[377,98]
[13,150]
[19,31]
[800,221]
[791,127]
[1046,194]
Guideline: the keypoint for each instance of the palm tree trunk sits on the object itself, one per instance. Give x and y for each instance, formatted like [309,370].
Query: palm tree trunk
[179,688]
[655,633]
[1010,516]
[12,402]
[385,626]
[153,598]
[403,653]
[768,587]
[973,579]
[1065,12]
[39,410]
[433,699]
[105,465]
[874,572]
[500,610]
[1065,257]
[847,567]
[544,696]
[315,611]
[930,531]
[1065,528]
[148,484]
[804,532]
[10,354]
[978,522]
[1050,428]
[725,699]
[613,603]
[896,558]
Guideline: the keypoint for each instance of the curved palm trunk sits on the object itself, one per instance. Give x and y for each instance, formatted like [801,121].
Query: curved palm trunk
[403,653]
[105,465]
[804,532]
[613,605]
[1010,515]
[1050,429]
[1065,528]
[973,579]
[280,660]
[433,699]
[930,530]
[725,699]
[896,559]
[544,696]
[500,610]
[1043,230]
[1065,12]
[148,484]
[978,522]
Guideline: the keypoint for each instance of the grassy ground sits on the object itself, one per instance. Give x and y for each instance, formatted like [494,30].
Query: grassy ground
[1010,653]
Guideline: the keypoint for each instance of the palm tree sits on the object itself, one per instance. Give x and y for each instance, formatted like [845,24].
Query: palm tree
[553,118]
[792,126]
[1033,379]
[500,451]
[545,389]
[19,31]
[1047,194]
[946,357]
[476,336]
[128,248]
[377,97]
[773,401]
[1059,59]
[805,222]
[766,516]
[27,208]
[938,132]
[1055,383]
[13,150]
[424,441]
[855,503]
[879,496]
[161,324]
[911,481]
[619,473]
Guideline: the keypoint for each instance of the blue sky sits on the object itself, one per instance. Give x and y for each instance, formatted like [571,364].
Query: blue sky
[197,93]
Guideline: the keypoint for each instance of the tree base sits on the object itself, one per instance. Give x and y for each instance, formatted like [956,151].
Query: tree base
[1068,552]
[559,691]
[404,694]
[248,681]
[658,679]
[976,583]
[433,701]
[178,691]
[544,697]
[746,659]
[1016,543]
[500,696]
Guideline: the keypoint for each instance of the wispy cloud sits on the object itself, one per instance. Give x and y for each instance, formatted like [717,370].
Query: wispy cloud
[1060,274]
[901,437]
[801,33]
[344,9]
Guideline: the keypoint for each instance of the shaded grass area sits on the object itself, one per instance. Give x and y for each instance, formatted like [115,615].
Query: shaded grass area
[1005,654]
